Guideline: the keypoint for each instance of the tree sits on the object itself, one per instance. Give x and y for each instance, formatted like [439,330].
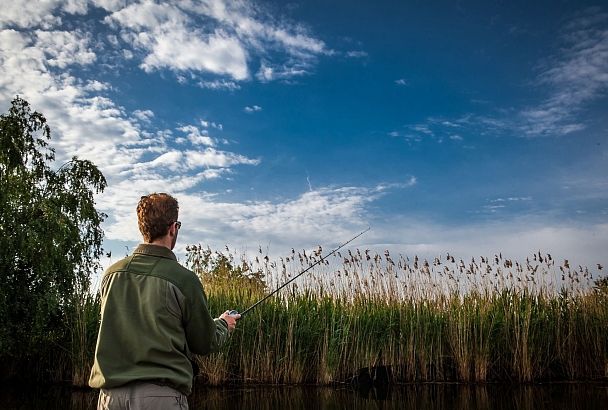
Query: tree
[215,269]
[50,235]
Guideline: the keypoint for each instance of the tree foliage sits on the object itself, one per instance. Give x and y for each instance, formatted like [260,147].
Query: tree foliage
[216,269]
[50,235]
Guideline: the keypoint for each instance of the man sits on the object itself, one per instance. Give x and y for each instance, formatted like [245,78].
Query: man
[154,316]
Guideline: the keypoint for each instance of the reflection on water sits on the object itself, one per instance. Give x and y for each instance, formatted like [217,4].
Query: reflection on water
[53,398]
[418,396]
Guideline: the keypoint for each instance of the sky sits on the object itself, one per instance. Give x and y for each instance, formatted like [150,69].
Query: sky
[464,127]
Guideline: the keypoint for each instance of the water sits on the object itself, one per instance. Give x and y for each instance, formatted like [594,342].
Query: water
[418,396]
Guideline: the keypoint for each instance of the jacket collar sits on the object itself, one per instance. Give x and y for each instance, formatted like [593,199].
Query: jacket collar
[155,250]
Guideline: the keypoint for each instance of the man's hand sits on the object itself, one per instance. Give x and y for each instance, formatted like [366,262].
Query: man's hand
[230,319]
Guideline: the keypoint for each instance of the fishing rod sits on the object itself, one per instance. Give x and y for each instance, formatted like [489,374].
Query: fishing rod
[234,312]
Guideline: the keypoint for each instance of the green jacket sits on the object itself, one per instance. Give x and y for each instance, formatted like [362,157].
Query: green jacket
[154,315]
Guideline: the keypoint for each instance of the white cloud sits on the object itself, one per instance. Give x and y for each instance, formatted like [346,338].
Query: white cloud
[24,13]
[217,37]
[357,54]
[48,13]
[576,76]
[315,216]
[211,157]
[145,15]
[253,108]
[401,81]
[84,124]
[410,182]
[498,204]
[265,73]
[196,136]
[423,129]
[63,48]
[166,33]
[324,215]
[109,5]
[249,23]
[493,208]
[143,115]
[297,43]
[439,128]
[183,50]
[512,199]
[219,85]
[94,85]
[92,126]
[170,160]
[269,72]
[329,216]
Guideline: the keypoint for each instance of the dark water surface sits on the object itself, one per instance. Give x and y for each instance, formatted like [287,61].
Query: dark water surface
[418,396]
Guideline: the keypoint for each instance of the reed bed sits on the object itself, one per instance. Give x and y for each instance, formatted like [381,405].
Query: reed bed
[488,319]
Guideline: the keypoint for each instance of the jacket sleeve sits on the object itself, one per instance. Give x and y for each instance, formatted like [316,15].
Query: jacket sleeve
[203,333]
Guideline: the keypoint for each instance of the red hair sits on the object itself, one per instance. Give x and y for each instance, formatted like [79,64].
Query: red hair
[155,212]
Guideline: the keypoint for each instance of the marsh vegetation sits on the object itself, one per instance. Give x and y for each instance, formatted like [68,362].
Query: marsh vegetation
[487,319]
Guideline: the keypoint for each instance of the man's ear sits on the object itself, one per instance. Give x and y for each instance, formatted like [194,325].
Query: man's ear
[172,230]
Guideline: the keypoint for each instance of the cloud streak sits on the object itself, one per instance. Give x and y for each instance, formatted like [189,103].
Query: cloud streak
[569,81]
[577,76]
[516,237]
[253,108]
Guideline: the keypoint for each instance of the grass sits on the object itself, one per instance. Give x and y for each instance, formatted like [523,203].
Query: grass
[83,335]
[489,319]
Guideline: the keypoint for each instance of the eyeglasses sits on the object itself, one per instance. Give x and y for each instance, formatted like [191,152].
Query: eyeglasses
[178,224]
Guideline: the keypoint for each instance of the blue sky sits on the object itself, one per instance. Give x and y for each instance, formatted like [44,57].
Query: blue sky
[463,127]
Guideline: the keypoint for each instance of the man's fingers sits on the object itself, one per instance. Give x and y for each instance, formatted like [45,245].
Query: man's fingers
[230,319]
[233,313]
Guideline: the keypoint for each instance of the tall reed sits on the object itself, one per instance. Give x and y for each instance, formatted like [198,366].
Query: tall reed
[442,320]
[84,322]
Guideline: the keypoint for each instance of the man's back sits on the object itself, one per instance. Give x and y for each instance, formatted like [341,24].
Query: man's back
[154,316]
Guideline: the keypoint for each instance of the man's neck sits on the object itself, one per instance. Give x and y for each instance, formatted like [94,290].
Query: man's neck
[163,241]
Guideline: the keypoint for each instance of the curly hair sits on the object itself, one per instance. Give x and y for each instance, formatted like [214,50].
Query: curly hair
[155,212]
